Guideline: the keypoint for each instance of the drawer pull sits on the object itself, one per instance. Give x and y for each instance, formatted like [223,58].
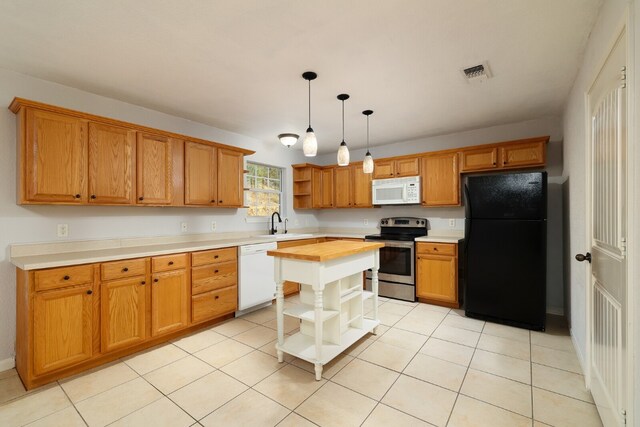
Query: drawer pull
[143,283]
[124,270]
[156,280]
[89,292]
[66,277]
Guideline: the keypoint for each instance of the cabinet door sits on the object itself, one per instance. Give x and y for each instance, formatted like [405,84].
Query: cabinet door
[436,278]
[111,164]
[200,174]
[55,158]
[407,167]
[316,188]
[169,302]
[62,328]
[230,173]
[479,159]
[122,313]
[342,187]
[154,169]
[384,169]
[519,155]
[440,180]
[361,187]
[327,188]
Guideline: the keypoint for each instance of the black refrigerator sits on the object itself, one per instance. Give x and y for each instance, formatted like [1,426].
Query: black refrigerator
[506,259]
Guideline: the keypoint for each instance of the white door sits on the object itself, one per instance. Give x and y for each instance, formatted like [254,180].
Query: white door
[607,314]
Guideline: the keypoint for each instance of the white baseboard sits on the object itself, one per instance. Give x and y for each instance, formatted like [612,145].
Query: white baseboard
[558,311]
[578,353]
[7,364]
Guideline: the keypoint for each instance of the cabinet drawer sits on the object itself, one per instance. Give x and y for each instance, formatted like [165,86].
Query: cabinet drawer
[213,304]
[214,256]
[121,269]
[437,248]
[209,277]
[62,277]
[168,262]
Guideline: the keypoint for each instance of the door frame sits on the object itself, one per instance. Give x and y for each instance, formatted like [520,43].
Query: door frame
[633,226]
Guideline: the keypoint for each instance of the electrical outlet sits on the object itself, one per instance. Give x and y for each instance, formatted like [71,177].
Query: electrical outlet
[63,230]
[452,223]
[296,222]
[365,221]
[184,227]
[213,226]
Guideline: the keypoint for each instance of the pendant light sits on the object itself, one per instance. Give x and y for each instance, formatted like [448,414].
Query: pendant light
[288,139]
[343,151]
[367,165]
[310,143]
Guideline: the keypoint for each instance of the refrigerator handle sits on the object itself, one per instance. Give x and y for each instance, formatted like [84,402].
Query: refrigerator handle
[467,201]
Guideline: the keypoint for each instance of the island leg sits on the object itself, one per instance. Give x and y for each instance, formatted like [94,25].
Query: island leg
[279,310]
[318,332]
[374,288]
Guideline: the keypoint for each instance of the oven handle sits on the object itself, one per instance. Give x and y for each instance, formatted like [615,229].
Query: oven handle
[393,243]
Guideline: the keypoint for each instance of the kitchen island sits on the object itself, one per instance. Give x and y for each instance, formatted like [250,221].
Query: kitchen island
[332,298]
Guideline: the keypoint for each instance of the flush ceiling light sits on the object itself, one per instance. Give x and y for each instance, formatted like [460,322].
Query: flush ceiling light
[367,165]
[343,151]
[288,139]
[310,143]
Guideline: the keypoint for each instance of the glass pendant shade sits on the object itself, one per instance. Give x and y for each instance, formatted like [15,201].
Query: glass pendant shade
[343,155]
[288,139]
[367,164]
[310,144]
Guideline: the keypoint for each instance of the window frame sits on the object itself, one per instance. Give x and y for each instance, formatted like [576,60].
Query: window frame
[281,192]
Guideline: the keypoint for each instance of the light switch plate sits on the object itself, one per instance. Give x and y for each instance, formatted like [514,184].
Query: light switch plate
[365,221]
[213,226]
[452,222]
[184,227]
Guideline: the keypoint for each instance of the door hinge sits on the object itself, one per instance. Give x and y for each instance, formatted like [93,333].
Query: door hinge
[624,416]
[623,76]
[623,245]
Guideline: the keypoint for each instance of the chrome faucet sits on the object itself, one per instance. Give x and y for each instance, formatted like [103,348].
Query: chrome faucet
[274,229]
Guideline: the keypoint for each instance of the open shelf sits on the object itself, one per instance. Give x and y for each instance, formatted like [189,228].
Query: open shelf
[304,346]
[306,312]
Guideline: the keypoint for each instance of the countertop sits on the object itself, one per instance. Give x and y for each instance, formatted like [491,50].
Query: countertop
[58,254]
[321,252]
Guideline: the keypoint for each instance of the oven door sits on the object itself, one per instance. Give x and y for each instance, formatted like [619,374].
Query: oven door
[396,262]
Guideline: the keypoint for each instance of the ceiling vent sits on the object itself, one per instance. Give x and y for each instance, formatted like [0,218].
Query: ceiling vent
[477,73]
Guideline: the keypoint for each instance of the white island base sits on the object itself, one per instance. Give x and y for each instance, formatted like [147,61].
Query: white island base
[332,299]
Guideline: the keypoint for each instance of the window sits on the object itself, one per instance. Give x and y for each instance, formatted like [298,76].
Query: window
[264,196]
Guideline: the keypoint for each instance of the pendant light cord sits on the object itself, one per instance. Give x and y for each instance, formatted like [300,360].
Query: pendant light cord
[309,103]
[367,133]
[343,120]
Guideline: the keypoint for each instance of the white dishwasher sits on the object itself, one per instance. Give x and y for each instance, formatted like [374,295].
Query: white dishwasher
[256,283]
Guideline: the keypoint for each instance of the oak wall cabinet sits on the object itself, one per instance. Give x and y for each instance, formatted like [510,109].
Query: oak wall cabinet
[70,319]
[440,180]
[395,168]
[74,158]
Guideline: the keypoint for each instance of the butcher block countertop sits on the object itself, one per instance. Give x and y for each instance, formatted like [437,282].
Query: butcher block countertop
[321,252]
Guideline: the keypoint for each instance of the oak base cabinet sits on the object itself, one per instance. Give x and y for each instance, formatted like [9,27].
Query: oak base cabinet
[437,273]
[123,309]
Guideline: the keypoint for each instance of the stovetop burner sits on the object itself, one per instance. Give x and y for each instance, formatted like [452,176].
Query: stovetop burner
[401,229]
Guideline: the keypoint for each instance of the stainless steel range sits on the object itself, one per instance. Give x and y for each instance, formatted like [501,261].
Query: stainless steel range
[396,276]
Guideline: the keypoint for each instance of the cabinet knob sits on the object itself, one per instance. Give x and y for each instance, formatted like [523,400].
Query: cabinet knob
[213,201]
[505,162]
[156,280]
[93,196]
[219,201]
[216,256]
[66,277]
[89,292]
[124,270]
[494,163]
[140,198]
[143,283]
[217,296]
[77,196]
[435,249]
[170,262]
[215,271]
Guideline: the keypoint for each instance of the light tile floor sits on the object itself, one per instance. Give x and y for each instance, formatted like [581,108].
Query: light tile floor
[428,365]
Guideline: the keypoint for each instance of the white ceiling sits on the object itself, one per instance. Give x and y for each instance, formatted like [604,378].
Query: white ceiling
[237,65]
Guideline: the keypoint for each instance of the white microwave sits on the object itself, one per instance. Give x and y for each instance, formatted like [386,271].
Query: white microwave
[396,191]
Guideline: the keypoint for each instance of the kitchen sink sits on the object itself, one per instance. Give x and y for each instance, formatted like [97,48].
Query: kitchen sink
[283,236]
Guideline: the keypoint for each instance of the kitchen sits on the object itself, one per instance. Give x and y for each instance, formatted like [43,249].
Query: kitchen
[427,362]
